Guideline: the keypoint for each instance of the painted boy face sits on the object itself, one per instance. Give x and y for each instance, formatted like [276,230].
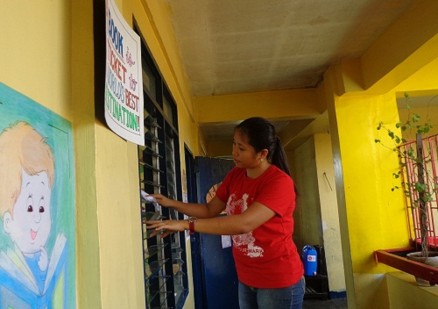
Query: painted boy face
[29,226]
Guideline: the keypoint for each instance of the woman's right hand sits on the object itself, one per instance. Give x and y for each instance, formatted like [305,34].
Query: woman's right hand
[163,201]
[166,227]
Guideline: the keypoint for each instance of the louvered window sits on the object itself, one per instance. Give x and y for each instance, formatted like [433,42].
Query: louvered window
[164,258]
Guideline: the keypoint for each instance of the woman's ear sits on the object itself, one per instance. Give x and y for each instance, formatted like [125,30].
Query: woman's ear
[264,154]
[7,220]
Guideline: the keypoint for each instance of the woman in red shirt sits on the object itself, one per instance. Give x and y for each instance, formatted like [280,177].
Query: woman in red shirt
[259,197]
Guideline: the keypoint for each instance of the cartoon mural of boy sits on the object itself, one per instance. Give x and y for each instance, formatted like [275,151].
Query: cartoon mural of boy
[26,180]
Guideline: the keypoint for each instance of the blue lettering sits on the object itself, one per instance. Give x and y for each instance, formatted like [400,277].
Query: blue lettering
[115,86]
[115,35]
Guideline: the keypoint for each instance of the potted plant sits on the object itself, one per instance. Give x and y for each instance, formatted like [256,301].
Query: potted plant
[418,163]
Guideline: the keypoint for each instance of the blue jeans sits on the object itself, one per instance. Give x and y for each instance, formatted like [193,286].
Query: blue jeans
[290,297]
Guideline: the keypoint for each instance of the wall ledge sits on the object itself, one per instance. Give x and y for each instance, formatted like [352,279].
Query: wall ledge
[405,293]
[408,279]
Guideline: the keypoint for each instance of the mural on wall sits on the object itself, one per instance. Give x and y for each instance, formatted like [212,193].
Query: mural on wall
[37,235]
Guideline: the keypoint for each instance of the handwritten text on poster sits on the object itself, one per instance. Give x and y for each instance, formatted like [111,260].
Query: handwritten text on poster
[123,82]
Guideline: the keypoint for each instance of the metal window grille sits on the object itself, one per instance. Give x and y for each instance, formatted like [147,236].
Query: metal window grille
[410,176]
[165,270]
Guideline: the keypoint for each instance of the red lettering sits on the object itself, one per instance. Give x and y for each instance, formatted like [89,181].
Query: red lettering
[131,100]
[116,65]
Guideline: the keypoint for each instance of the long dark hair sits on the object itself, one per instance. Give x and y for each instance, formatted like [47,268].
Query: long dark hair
[261,135]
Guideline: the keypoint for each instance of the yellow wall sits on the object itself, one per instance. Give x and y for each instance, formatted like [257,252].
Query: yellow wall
[48,55]
[360,94]
[423,84]
[331,232]
[82,98]
[375,215]
[308,225]
[368,194]
[50,58]
[404,293]
[35,52]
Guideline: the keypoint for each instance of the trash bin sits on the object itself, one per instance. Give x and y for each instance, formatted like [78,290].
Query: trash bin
[310,260]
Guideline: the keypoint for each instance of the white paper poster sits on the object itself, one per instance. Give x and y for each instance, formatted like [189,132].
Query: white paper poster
[123,80]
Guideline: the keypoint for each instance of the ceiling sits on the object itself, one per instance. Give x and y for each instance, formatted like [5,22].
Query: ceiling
[229,46]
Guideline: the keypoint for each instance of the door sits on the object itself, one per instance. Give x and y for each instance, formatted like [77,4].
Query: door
[214,273]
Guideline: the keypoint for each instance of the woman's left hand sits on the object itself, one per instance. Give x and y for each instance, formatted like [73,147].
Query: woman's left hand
[166,227]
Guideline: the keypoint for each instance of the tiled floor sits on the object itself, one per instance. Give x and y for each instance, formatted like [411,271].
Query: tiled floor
[336,303]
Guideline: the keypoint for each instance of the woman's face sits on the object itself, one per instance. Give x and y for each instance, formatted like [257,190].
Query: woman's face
[244,155]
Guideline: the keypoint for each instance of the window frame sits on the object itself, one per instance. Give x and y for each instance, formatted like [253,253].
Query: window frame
[166,282]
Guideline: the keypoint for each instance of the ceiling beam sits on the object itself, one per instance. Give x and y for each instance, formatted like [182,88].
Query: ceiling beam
[409,44]
[273,105]
[405,38]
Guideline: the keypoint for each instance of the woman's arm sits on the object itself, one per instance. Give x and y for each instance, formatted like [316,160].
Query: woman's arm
[250,219]
[211,209]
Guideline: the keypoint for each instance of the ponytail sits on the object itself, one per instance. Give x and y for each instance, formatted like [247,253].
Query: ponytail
[279,157]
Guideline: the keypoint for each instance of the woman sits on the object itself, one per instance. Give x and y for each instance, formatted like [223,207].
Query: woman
[259,198]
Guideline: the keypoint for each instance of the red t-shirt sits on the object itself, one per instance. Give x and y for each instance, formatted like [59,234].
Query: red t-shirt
[266,257]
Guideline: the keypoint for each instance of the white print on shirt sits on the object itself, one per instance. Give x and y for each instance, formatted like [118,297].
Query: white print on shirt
[243,242]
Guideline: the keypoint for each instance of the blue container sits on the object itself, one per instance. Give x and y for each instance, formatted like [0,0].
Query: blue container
[310,260]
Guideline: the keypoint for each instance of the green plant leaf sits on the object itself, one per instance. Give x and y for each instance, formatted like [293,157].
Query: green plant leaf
[420,187]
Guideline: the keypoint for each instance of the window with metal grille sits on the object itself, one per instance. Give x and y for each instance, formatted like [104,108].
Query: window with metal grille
[166,284]
[430,178]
